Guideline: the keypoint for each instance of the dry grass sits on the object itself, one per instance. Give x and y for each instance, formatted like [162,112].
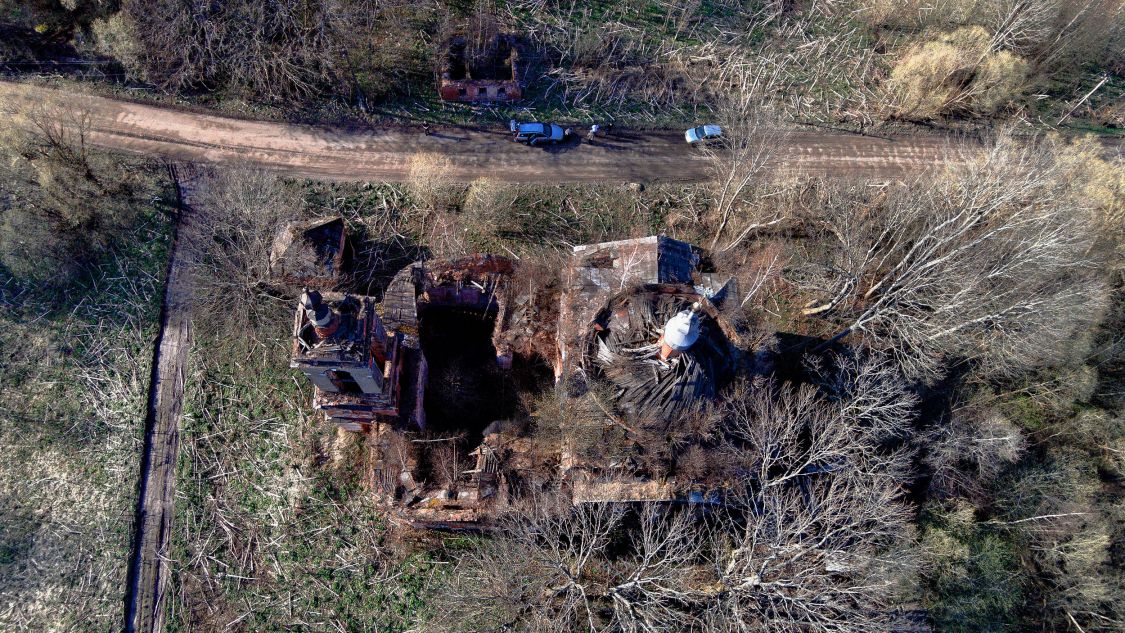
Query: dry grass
[508,219]
[673,60]
[273,527]
[971,57]
[431,184]
[1100,181]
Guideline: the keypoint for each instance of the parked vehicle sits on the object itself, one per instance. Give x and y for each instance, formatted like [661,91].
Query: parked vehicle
[537,133]
[703,134]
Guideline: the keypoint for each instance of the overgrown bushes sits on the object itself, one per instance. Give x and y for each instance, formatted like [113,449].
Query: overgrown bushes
[242,212]
[993,262]
[788,550]
[975,57]
[268,50]
[956,73]
[974,578]
[63,205]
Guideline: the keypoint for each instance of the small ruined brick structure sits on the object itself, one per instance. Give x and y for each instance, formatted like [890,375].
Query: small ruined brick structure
[490,77]
[309,254]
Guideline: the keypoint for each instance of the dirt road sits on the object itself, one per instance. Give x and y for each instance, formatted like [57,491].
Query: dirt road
[334,153]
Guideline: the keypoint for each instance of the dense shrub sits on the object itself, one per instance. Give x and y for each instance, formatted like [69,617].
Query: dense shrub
[269,50]
[956,73]
[975,581]
[989,51]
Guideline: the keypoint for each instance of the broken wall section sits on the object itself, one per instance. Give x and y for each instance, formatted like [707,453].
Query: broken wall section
[598,271]
[309,254]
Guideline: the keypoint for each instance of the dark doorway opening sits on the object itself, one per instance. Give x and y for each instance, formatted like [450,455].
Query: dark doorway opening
[344,381]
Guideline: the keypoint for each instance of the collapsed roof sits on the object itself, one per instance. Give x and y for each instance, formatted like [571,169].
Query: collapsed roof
[625,348]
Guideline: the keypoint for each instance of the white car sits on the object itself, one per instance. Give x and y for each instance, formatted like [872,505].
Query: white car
[536,133]
[703,133]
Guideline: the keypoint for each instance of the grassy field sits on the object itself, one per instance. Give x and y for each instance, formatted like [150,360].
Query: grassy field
[272,529]
[74,376]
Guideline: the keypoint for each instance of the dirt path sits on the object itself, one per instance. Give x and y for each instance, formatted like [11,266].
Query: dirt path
[148,567]
[333,153]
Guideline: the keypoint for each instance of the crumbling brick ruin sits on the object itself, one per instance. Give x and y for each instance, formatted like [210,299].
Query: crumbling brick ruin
[478,74]
[355,365]
[310,254]
[432,373]
[620,304]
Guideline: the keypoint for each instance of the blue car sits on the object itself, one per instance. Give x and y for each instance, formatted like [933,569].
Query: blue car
[536,133]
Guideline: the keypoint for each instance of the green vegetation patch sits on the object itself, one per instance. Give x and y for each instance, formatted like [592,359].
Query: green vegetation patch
[274,528]
[74,377]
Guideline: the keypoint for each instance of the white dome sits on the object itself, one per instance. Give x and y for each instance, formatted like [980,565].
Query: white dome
[682,330]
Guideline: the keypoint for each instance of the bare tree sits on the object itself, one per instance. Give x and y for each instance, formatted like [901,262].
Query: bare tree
[740,161]
[813,536]
[274,50]
[990,262]
[243,212]
[568,578]
[827,556]
[447,463]
[1019,25]
[967,454]
[1062,36]
[661,579]
[823,543]
[782,434]
[539,572]
[62,203]
[64,135]
[870,393]
[762,272]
